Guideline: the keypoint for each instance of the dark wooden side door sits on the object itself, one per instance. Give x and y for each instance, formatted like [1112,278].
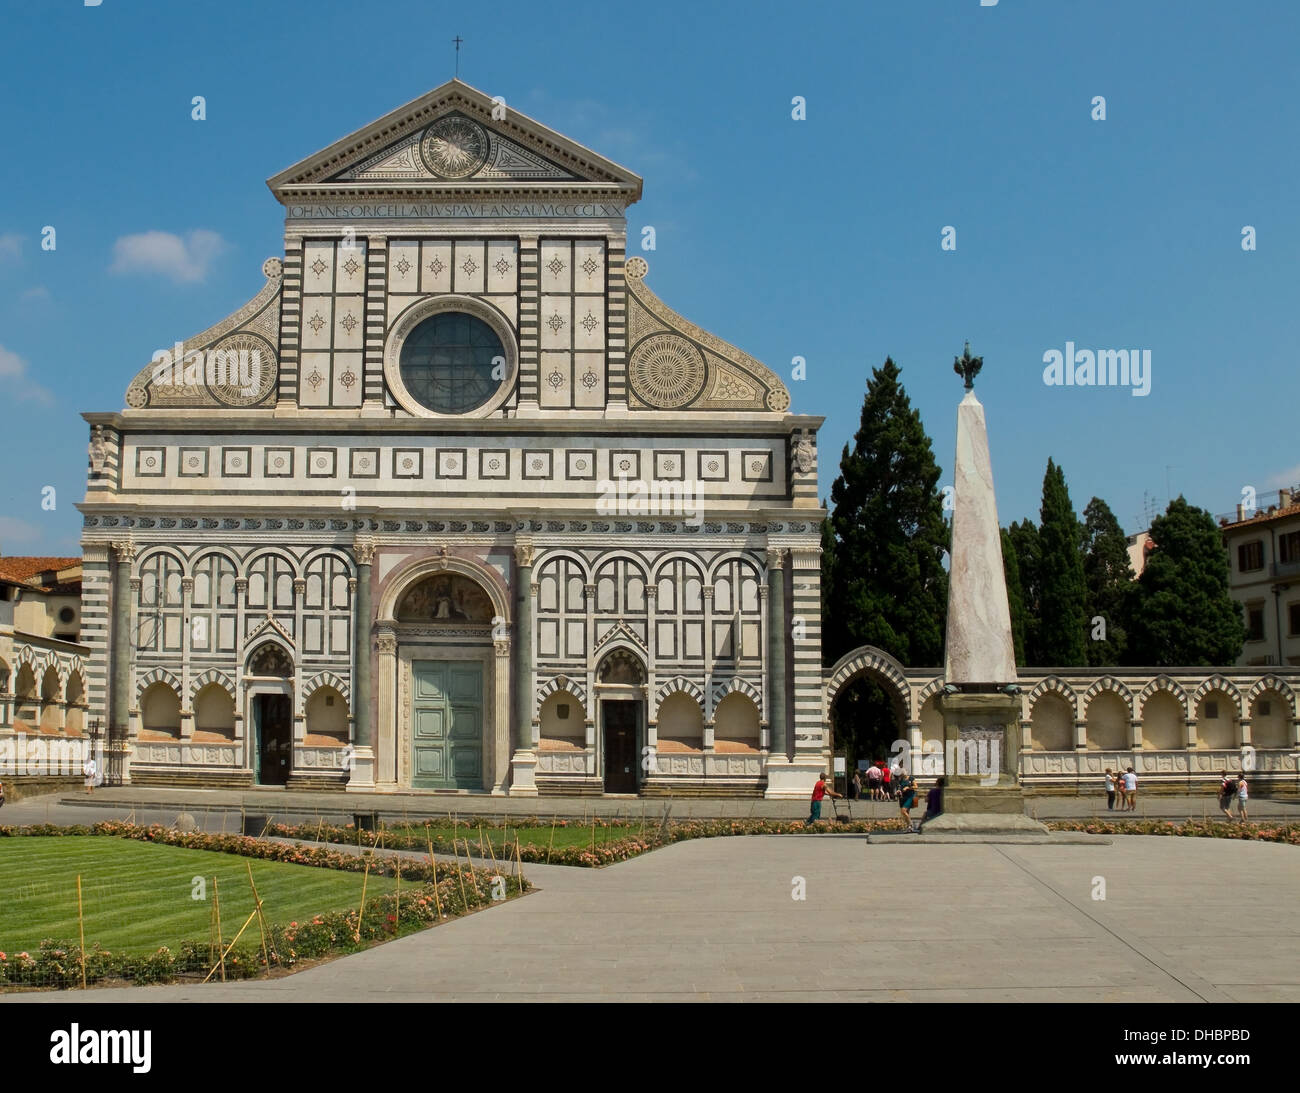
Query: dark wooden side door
[619,719]
[274,740]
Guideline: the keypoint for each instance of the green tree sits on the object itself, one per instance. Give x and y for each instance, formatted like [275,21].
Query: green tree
[1023,535]
[1109,579]
[1182,613]
[1062,593]
[886,585]
[1015,595]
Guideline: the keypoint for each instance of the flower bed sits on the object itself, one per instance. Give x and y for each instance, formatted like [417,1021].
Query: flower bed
[440,891]
[1263,831]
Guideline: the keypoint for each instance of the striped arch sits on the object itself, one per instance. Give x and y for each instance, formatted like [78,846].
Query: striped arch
[733,556]
[1057,686]
[546,557]
[26,655]
[668,557]
[149,553]
[562,683]
[866,660]
[1270,683]
[326,679]
[1108,683]
[1219,683]
[1163,683]
[206,552]
[925,694]
[156,675]
[295,565]
[211,675]
[679,683]
[736,683]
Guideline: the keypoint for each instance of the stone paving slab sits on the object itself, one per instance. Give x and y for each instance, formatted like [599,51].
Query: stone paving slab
[713,920]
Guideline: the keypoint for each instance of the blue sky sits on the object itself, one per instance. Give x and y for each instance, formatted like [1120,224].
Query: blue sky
[817,238]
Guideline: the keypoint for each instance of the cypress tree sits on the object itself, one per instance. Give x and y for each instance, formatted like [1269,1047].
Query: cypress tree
[1109,579]
[1182,613]
[1062,592]
[1015,595]
[887,536]
[1023,536]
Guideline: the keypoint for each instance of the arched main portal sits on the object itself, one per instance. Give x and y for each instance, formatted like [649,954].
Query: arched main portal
[444,679]
[867,705]
[621,725]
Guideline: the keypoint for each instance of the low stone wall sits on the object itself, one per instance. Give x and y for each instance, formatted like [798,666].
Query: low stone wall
[23,786]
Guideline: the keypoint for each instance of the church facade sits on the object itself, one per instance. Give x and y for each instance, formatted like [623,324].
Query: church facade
[456,502]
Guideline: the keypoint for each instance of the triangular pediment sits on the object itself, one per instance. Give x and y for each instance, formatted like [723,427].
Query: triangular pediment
[455,138]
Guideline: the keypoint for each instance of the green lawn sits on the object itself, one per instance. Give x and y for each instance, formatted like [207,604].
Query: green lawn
[138,896]
[575,834]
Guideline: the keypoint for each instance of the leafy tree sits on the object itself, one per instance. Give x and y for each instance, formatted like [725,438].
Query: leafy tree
[1062,593]
[1182,614]
[886,586]
[1109,580]
[1023,536]
[1015,595]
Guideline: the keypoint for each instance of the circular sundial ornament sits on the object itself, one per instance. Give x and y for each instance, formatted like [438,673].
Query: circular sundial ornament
[454,147]
[666,371]
[272,267]
[636,268]
[243,367]
[778,400]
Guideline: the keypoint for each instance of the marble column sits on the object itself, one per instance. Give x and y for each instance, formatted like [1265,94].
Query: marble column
[119,708]
[361,773]
[523,765]
[776,650]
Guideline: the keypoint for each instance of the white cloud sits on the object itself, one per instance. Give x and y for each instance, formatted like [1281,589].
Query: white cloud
[180,259]
[11,248]
[1284,479]
[37,292]
[15,381]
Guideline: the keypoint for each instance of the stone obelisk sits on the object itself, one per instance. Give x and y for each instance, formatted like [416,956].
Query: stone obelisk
[980,701]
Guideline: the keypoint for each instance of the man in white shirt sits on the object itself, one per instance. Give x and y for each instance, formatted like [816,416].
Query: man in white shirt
[1131,788]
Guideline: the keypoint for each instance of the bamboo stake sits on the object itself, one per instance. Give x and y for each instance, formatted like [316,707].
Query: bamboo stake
[216,910]
[473,879]
[81,925]
[554,821]
[493,852]
[481,855]
[437,899]
[519,861]
[361,913]
[459,875]
[398,920]
[261,921]
[247,923]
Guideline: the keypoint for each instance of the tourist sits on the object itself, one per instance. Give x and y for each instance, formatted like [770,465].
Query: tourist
[1131,789]
[1110,790]
[933,803]
[88,769]
[2,794]
[873,782]
[855,790]
[886,782]
[820,790]
[1227,790]
[905,789]
[1243,793]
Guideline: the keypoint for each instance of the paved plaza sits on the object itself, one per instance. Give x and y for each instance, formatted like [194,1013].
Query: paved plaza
[884,919]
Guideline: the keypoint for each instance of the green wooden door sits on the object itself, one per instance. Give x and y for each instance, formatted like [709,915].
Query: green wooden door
[447,724]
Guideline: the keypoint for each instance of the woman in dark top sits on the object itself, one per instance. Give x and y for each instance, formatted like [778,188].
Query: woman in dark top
[933,802]
[906,789]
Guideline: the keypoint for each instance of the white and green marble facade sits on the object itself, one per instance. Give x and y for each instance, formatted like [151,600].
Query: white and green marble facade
[298,510]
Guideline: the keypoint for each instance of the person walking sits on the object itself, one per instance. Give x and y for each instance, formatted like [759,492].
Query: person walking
[820,790]
[1227,790]
[906,790]
[1110,790]
[886,786]
[1243,793]
[873,781]
[933,803]
[855,793]
[88,769]
[1131,789]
